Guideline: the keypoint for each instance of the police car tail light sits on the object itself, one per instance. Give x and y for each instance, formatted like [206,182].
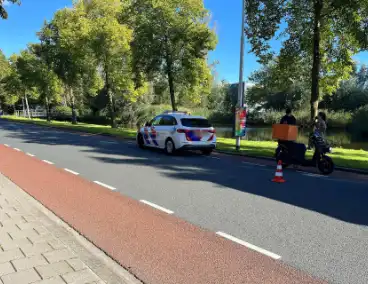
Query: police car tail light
[181,130]
[213,131]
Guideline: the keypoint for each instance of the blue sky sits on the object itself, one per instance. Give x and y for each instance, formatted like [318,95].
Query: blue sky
[25,20]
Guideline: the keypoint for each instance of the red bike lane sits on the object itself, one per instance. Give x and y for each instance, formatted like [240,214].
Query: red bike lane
[156,247]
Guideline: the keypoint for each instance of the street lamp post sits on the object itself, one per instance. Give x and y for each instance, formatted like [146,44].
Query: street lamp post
[241,67]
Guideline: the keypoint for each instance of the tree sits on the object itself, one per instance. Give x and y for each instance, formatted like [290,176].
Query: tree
[45,81]
[3,13]
[110,43]
[171,40]
[321,34]
[276,88]
[72,59]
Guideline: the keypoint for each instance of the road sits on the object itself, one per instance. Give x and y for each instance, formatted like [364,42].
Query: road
[315,224]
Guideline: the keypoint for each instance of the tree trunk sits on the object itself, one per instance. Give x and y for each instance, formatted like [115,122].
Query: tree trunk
[170,76]
[48,114]
[24,108]
[74,113]
[27,106]
[111,99]
[318,5]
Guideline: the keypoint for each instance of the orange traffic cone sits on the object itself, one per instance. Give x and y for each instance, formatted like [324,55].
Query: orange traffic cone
[279,175]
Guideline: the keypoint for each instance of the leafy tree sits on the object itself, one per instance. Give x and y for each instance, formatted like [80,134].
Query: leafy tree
[72,59]
[320,34]
[171,40]
[276,89]
[3,13]
[110,43]
[46,82]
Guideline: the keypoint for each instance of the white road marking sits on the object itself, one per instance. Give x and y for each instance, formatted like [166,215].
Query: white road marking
[217,158]
[104,185]
[16,149]
[108,142]
[314,175]
[157,206]
[48,162]
[6,145]
[248,245]
[130,142]
[29,154]
[253,164]
[72,172]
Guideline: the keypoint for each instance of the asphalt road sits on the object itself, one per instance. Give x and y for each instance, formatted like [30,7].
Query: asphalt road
[316,224]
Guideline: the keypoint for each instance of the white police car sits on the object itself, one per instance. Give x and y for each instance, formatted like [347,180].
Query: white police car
[173,131]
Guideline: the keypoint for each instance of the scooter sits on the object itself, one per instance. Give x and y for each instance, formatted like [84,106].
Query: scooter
[292,153]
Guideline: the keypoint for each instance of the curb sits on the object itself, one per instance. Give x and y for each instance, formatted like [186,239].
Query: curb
[343,169]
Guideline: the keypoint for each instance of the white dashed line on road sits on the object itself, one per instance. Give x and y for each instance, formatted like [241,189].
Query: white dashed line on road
[6,145]
[314,175]
[157,206]
[253,164]
[104,185]
[29,154]
[72,172]
[217,158]
[248,245]
[16,149]
[48,162]
[108,142]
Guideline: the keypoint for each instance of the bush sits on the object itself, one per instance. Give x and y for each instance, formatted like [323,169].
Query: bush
[359,124]
[61,113]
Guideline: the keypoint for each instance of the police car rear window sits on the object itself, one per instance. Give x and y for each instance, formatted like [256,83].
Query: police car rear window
[195,122]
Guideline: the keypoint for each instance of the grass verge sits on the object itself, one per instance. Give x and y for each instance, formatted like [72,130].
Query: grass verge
[348,158]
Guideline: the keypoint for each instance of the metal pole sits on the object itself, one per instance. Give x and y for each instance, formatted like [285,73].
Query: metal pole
[241,67]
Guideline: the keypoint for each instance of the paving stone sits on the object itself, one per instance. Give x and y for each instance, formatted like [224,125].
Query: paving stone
[76,263]
[56,244]
[58,255]
[34,249]
[21,277]
[10,255]
[41,239]
[29,225]
[29,262]
[6,268]
[54,269]
[10,244]
[54,280]
[81,277]
[21,234]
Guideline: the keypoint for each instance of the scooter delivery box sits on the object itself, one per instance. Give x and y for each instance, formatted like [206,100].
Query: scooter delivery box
[284,132]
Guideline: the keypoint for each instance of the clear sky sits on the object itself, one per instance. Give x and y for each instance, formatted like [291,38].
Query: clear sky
[25,20]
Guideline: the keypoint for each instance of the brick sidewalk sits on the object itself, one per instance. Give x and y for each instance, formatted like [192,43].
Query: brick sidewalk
[37,247]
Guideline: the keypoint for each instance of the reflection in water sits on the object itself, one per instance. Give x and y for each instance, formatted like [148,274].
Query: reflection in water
[336,138]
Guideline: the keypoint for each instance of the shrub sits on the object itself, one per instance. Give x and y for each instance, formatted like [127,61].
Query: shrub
[61,113]
[359,124]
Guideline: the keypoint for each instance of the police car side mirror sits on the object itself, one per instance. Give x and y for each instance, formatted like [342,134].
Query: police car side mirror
[147,124]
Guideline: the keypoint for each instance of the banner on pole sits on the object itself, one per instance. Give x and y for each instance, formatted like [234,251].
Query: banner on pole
[240,122]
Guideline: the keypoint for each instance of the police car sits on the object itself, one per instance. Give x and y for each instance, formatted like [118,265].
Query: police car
[174,131]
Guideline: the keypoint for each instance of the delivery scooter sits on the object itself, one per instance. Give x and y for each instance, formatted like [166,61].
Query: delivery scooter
[292,153]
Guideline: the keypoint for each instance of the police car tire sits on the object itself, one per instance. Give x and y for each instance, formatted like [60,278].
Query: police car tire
[167,150]
[140,141]
[207,152]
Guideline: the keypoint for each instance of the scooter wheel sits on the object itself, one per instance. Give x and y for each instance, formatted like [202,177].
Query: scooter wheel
[325,165]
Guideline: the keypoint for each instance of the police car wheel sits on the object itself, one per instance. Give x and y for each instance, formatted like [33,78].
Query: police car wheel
[140,141]
[169,147]
[206,152]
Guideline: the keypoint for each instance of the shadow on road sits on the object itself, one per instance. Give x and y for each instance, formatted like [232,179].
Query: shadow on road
[338,199]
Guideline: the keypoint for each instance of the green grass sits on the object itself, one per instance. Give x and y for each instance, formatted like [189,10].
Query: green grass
[357,159]
[348,158]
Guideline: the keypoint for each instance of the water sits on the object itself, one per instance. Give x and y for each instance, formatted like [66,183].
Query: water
[337,138]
